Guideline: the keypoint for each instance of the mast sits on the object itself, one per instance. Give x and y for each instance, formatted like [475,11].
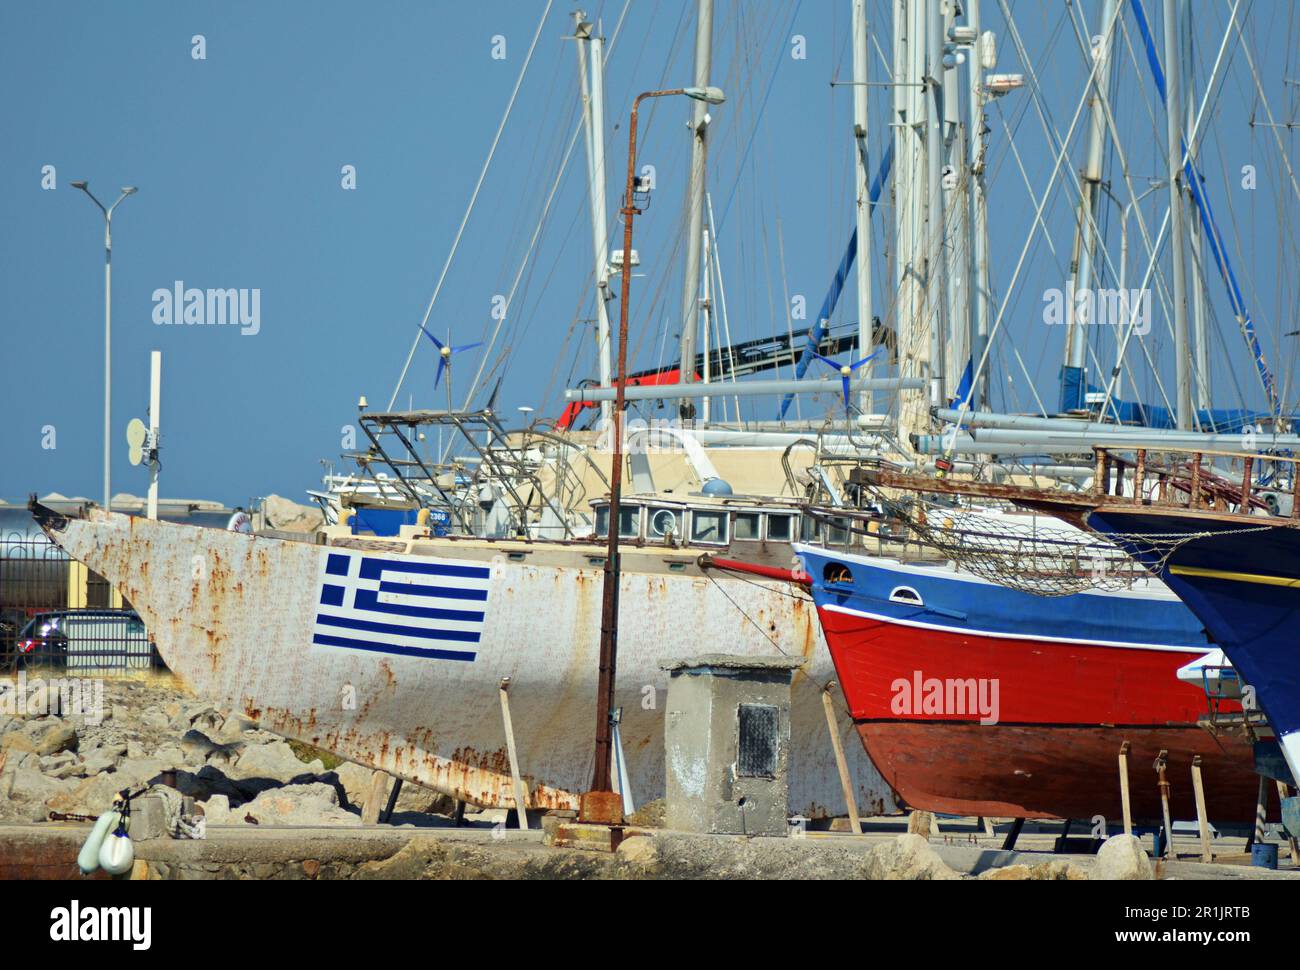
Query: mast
[863,208]
[695,201]
[909,160]
[1177,228]
[593,120]
[1074,384]
[978,290]
[936,308]
[1200,339]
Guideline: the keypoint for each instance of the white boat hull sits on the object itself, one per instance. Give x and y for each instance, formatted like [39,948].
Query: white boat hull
[236,616]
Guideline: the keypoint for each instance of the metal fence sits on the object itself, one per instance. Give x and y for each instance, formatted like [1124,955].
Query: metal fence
[56,615]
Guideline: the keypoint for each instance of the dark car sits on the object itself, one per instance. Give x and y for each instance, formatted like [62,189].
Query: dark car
[90,639]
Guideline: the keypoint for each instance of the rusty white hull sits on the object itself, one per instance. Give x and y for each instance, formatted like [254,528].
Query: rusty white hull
[240,619]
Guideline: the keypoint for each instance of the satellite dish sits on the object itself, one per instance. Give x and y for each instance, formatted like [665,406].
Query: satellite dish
[136,433]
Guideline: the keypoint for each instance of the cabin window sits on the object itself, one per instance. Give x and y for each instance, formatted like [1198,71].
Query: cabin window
[709,527]
[837,574]
[629,521]
[664,524]
[906,594]
[602,521]
[747,525]
[837,532]
[780,528]
[810,529]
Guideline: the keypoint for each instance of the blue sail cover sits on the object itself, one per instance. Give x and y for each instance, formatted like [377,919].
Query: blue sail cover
[817,332]
[1220,420]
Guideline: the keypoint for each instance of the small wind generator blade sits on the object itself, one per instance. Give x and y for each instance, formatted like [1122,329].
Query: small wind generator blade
[136,432]
[457,350]
[492,399]
[437,343]
[442,366]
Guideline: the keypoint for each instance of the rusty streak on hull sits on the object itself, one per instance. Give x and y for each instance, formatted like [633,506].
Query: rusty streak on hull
[232,615]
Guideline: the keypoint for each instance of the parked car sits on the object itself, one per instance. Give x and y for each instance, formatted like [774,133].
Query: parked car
[84,640]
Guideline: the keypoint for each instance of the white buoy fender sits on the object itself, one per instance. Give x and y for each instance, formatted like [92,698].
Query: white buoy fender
[88,857]
[117,854]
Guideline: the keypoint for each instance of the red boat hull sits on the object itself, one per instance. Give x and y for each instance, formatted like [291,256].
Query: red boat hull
[1064,709]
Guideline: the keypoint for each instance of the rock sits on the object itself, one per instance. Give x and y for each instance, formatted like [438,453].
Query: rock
[648,816]
[310,804]
[154,720]
[95,795]
[29,784]
[1122,857]
[172,756]
[134,749]
[285,515]
[216,810]
[1055,869]
[197,747]
[104,758]
[907,857]
[233,729]
[639,850]
[355,780]
[47,735]
[275,761]
[920,823]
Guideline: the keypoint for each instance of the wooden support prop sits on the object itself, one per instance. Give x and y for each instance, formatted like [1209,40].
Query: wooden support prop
[1202,823]
[1123,789]
[521,796]
[1283,793]
[1009,842]
[1162,775]
[988,826]
[846,783]
[375,798]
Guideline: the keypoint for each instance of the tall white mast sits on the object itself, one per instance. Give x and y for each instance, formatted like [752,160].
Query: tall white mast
[863,190]
[978,289]
[1177,227]
[1200,338]
[695,200]
[936,308]
[1085,239]
[593,120]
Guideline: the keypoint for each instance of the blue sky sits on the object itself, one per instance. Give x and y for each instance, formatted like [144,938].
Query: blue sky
[238,161]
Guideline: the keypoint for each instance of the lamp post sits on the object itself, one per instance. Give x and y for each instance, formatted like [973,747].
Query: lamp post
[598,805]
[108,330]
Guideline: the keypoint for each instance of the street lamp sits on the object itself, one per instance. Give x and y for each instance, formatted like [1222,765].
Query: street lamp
[599,804]
[108,328]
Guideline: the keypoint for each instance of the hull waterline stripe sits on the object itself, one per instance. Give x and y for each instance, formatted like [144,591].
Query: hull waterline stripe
[1235,577]
[1036,638]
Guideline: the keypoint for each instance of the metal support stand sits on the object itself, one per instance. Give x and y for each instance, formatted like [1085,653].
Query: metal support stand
[1162,767]
[387,814]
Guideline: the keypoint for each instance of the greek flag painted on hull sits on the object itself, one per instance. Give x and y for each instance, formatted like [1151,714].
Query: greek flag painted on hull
[403,605]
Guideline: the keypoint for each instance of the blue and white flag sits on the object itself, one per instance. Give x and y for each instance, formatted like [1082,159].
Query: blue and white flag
[409,606]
